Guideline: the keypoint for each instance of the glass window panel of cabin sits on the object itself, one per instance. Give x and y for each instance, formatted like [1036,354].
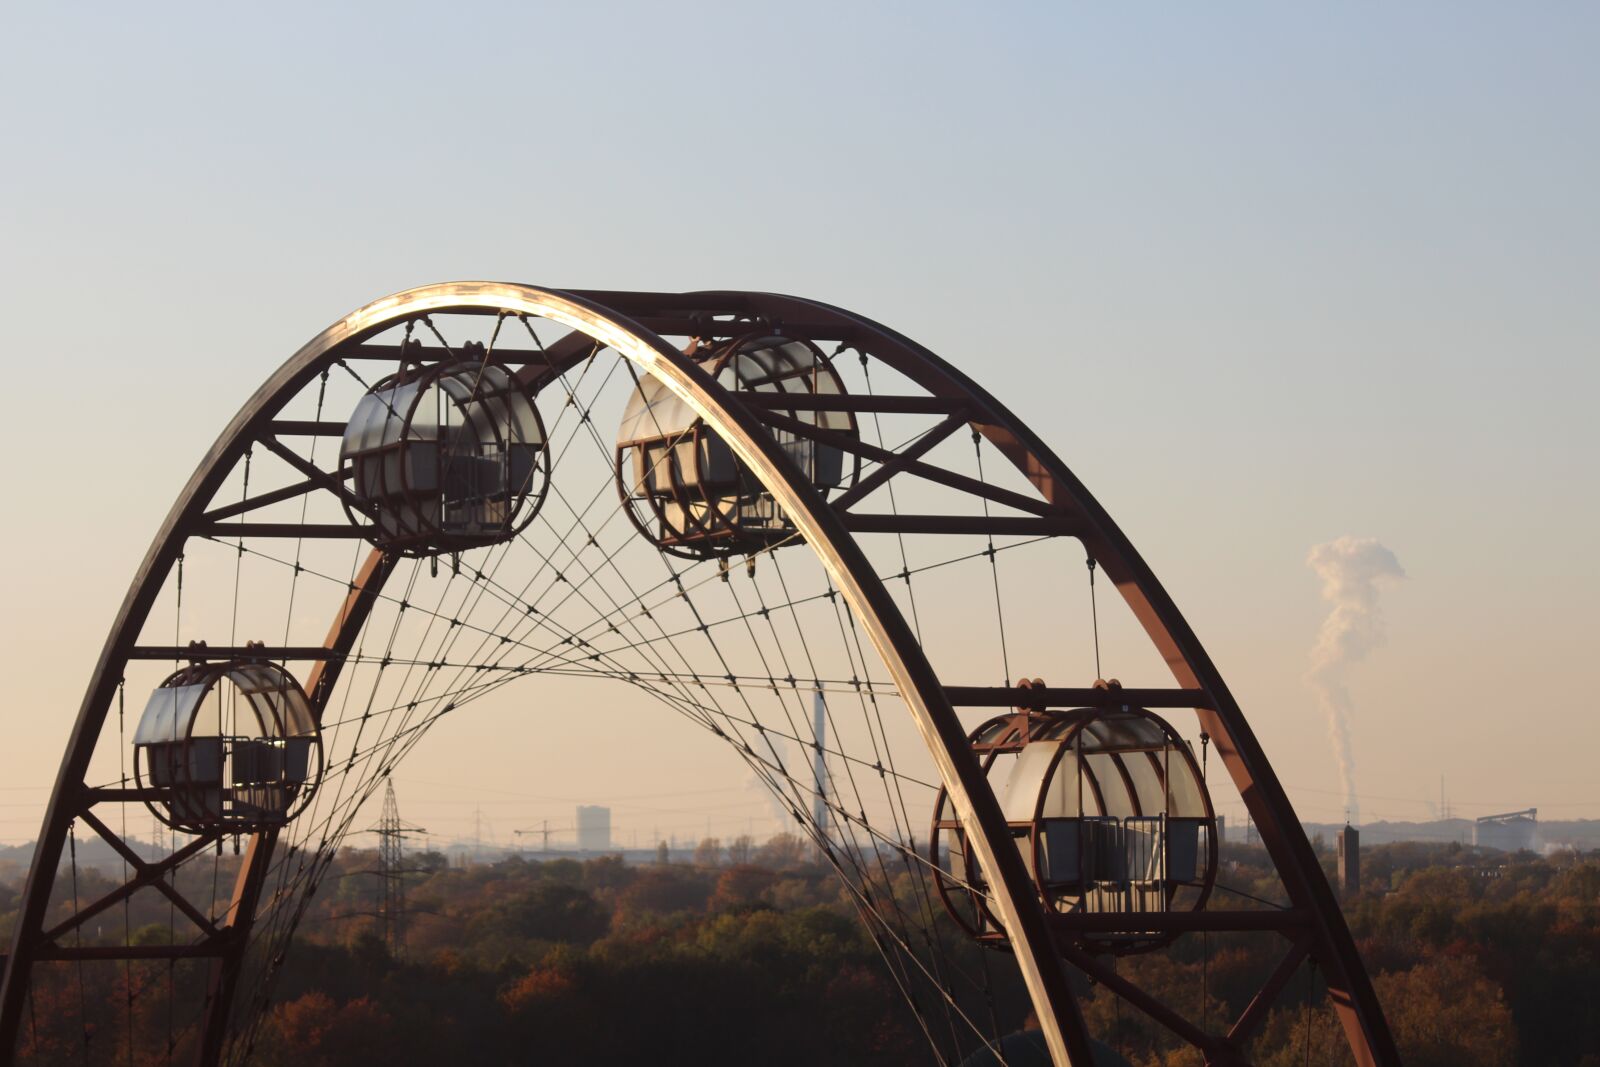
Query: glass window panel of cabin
[423,414]
[1183,789]
[168,713]
[1113,791]
[1001,775]
[1146,782]
[1066,787]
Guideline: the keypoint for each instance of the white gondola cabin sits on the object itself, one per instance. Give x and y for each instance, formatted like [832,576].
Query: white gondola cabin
[1109,810]
[680,482]
[446,457]
[229,747]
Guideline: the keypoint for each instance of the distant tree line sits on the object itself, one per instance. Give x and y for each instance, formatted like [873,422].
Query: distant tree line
[751,953]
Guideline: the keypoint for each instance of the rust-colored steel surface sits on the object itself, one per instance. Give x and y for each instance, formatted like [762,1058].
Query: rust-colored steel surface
[1047,947]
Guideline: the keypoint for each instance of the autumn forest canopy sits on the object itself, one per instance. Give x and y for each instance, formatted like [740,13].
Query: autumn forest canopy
[751,953]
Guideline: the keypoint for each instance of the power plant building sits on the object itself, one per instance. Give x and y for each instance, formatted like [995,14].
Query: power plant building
[594,828]
[1512,831]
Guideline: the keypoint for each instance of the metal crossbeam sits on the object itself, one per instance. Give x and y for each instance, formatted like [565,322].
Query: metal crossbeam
[146,874]
[997,525]
[885,404]
[1168,922]
[293,530]
[230,652]
[972,486]
[974,696]
[1255,1013]
[276,496]
[305,428]
[1217,1050]
[889,468]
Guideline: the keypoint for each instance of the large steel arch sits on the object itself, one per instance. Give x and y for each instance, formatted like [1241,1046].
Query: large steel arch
[634,325]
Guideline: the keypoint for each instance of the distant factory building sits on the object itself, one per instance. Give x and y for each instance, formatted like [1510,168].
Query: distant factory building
[594,828]
[1512,831]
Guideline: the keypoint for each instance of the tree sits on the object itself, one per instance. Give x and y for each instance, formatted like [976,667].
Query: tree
[741,849]
[607,872]
[782,851]
[1447,1013]
[540,987]
[598,962]
[430,860]
[741,887]
[1444,1012]
[662,891]
[314,1031]
[550,911]
[708,853]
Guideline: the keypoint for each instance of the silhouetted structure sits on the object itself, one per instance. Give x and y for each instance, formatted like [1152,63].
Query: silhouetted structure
[1349,861]
[391,831]
[1512,831]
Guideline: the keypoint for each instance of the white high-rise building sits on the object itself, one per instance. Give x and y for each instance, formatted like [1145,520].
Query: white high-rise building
[594,828]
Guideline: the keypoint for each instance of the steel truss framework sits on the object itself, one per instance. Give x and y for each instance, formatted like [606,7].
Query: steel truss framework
[634,325]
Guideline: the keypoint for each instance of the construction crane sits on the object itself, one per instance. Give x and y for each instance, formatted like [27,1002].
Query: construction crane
[544,831]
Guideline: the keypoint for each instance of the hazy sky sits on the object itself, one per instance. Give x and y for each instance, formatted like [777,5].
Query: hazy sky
[1264,275]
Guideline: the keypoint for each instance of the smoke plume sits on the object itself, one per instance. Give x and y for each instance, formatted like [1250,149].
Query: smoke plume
[1352,569]
[776,756]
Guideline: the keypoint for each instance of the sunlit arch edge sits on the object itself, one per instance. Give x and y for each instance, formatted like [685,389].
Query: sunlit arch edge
[834,546]
[595,315]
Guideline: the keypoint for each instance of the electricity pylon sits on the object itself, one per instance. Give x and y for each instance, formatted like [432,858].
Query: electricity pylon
[391,831]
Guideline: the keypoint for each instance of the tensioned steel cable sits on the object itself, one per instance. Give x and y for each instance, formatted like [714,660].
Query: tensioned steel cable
[413,663]
[399,729]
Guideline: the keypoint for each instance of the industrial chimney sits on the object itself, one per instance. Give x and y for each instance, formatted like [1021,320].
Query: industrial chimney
[1349,861]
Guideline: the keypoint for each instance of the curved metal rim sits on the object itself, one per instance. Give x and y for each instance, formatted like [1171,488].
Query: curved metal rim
[606,315]
[843,560]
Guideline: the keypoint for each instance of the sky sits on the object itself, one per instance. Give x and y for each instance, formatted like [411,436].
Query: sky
[1265,276]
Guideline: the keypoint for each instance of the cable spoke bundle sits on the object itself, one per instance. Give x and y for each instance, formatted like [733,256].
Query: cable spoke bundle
[479,539]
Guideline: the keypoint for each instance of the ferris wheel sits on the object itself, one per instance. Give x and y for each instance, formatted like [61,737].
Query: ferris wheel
[820,545]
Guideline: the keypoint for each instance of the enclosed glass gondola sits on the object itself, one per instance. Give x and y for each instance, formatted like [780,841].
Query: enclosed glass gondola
[229,747]
[446,457]
[1109,810]
[682,485]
